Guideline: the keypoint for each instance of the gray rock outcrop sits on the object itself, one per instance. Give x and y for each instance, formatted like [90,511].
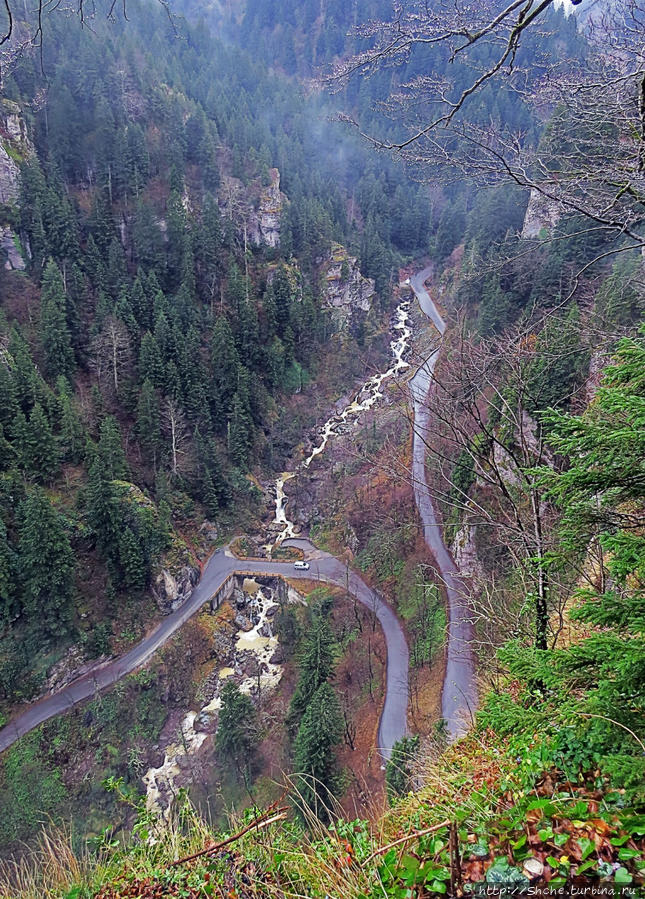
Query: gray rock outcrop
[172,590]
[14,141]
[464,552]
[10,250]
[9,177]
[542,215]
[348,293]
[264,225]
[255,210]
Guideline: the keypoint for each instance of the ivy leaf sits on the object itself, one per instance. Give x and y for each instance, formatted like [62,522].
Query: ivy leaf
[622,875]
[618,841]
[587,846]
[626,854]
[585,867]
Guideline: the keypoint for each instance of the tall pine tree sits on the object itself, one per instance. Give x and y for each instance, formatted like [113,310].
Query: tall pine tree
[54,331]
[316,664]
[314,758]
[46,565]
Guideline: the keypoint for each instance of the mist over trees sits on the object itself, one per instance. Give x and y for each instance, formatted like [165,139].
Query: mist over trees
[159,362]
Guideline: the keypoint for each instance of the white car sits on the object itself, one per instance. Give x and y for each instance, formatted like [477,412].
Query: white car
[301,566]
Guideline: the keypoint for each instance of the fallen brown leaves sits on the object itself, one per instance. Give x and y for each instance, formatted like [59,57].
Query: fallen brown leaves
[148,889]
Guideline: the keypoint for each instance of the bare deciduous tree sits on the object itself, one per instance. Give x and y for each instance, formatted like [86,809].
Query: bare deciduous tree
[24,26]
[590,163]
[480,423]
[176,429]
[111,354]
[483,449]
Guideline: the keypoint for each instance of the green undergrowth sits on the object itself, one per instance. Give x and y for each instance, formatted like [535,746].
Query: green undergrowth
[492,809]
[56,773]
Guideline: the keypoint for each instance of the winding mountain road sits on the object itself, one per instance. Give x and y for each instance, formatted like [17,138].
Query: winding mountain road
[459,695]
[220,566]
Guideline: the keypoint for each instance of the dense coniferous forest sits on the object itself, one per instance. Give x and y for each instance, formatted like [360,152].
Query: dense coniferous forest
[180,194]
[157,342]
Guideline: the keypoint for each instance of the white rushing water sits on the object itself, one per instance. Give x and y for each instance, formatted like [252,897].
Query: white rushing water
[162,782]
[363,399]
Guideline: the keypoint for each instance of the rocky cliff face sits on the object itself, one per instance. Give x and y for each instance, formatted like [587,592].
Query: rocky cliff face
[348,293]
[464,552]
[264,225]
[171,590]
[542,214]
[14,145]
[9,177]
[256,210]
[11,250]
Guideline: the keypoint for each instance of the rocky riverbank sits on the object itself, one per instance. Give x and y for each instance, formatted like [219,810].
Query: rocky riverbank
[254,660]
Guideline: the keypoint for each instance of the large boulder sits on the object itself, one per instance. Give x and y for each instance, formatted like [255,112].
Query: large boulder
[206,722]
[172,590]
[209,532]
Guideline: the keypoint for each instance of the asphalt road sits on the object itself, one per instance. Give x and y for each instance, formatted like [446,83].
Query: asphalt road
[459,695]
[222,564]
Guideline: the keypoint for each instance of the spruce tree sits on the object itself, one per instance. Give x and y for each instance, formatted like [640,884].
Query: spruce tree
[132,561]
[19,438]
[40,451]
[282,298]
[95,266]
[320,731]
[8,454]
[26,380]
[7,574]
[316,664]
[398,773]
[46,565]
[148,428]
[76,296]
[209,495]
[102,511]
[602,494]
[237,733]
[8,404]
[72,433]
[54,331]
[111,451]
[140,302]
[240,434]
[151,366]
[225,362]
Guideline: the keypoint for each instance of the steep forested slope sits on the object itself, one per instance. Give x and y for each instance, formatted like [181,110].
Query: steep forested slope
[147,352]
[168,208]
[546,790]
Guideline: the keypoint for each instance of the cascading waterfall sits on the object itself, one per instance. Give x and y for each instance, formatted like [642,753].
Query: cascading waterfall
[363,399]
[161,782]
